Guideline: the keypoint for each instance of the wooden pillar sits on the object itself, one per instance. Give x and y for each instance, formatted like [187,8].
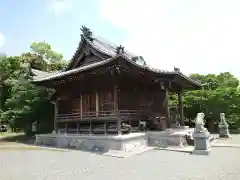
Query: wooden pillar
[97,104]
[167,109]
[66,128]
[105,127]
[81,105]
[55,115]
[180,108]
[115,98]
[90,127]
[77,128]
[115,108]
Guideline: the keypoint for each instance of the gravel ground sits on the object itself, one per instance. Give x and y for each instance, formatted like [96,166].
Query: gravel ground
[222,163]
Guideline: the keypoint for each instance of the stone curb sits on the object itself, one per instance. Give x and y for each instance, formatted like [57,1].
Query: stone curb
[226,145]
[53,148]
[188,149]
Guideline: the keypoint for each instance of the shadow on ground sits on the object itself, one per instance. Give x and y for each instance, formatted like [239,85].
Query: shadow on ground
[21,138]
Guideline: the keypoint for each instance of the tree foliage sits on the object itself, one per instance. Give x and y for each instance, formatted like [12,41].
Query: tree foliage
[21,101]
[219,93]
[43,57]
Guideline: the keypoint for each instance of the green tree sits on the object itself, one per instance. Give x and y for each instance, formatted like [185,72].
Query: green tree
[218,94]
[43,51]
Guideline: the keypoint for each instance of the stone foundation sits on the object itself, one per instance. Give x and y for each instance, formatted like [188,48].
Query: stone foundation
[126,143]
[169,137]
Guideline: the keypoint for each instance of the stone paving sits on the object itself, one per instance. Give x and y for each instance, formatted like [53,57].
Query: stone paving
[234,139]
[24,162]
[222,163]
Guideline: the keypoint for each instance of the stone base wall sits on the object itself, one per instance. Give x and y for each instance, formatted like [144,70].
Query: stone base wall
[126,143]
[163,140]
[170,137]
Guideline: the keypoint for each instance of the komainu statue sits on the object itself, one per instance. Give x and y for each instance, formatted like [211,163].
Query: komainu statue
[199,124]
[223,127]
[200,118]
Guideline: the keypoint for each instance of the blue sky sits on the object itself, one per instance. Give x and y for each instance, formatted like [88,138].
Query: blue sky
[58,23]
[196,36]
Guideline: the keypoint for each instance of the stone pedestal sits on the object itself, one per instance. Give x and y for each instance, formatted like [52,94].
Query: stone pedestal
[223,127]
[201,137]
[202,143]
[223,132]
[38,141]
[61,141]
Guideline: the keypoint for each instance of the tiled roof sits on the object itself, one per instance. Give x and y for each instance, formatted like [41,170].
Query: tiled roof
[37,74]
[73,71]
[97,64]
[108,49]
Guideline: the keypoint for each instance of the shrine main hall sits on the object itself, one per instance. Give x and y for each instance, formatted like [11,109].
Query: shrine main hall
[106,90]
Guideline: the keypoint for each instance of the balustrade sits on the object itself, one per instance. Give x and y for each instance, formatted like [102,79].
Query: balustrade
[93,115]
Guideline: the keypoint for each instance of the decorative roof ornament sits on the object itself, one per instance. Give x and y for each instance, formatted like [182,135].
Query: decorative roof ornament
[120,49]
[135,58]
[86,33]
[139,60]
[176,69]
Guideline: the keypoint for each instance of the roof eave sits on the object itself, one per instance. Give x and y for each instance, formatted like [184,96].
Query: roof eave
[75,71]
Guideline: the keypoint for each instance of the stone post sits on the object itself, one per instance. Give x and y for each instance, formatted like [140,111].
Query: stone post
[201,137]
[223,127]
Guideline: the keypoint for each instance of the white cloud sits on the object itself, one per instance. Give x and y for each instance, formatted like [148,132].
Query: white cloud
[196,36]
[60,6]
[1,39]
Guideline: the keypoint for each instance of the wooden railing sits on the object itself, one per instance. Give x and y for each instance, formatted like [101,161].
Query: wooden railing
[94,115]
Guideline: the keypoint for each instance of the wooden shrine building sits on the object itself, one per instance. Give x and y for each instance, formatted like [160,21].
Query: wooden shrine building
[105,89]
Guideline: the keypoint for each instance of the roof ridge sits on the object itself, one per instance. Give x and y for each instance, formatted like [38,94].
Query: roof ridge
[109,48]
[112,45]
